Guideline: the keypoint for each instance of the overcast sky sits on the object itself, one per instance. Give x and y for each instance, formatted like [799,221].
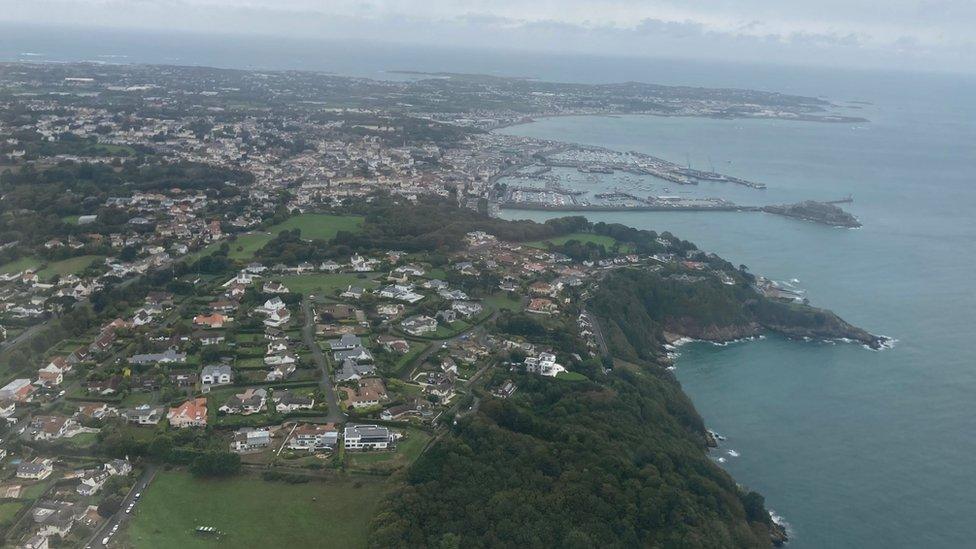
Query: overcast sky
[925,34]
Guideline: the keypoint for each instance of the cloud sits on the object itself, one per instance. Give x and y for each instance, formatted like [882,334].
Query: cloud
[935,32]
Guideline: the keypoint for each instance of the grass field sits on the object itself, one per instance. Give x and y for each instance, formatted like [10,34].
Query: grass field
[324,226]
[501,301]
[8,510]
[19,265]
[72,265]
[313,226]
[324,284]
[253,513]
[606,241]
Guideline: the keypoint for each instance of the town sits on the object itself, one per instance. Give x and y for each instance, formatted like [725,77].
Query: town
[282,278]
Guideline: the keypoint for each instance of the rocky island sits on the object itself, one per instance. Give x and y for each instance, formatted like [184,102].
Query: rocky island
[818,212]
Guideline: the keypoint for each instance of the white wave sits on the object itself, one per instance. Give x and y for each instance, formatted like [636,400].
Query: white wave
[780,521]
[733,453]
[721,460]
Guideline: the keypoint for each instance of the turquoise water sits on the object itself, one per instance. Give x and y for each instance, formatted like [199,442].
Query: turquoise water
[854,448]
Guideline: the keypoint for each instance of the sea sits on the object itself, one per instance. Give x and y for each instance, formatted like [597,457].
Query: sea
[851,447]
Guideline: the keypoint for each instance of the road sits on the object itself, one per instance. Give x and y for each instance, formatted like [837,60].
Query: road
[121,516]
[308,334]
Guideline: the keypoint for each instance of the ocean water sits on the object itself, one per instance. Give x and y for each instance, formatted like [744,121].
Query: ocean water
[852,447]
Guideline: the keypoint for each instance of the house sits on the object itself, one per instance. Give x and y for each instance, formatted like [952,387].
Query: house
[216,374]
[353,292]
[278,318]
[329,266]
[118,467]
[209,338]
[7,408]
[282,358]
[446,316]
[361,264]
[38,469]
[290,401]
[50,427]
[18,390]
[270,306]
[351,371]
[410,269]
[95,410]
[251,401]
[394,344]
[170,355]
[248,438]
[419,325]
[389,310]
[314,438]
[412,408]
[541,306]
[336,311]
[213,320]
[344,343]
[183,380]
[368,392]
[280,372]
[466,308]
[192,413]
[358,354]
[143,414]
[104,387]
[274,287]
[367,437]
[544,365]
[92,483]
[506,390]
[49,376]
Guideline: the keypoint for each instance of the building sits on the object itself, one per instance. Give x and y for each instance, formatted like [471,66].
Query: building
[216,374]
[170,355]
[248,439]
[290,401]
[143,414]
[346,342]
[18,390]
[38,469]
[251,401]
[314,438]
[544,365]
[192,413]
[367,437]
[419,325]
[368,392]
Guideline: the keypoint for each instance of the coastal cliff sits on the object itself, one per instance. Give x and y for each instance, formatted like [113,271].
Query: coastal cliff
[642,310]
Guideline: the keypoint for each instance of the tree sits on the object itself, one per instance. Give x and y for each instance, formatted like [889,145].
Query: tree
[216,464]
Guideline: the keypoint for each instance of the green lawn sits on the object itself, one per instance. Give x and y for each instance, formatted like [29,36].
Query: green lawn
[253,513]
[19,265]
[406,452]
[571,376]
[324,226]
[324,284]
[82,440]
[72,265]
[501,301]
[8,510]
[312,226]
[606,241]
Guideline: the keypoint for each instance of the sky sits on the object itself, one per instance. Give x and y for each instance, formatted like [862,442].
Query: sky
[889,34]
